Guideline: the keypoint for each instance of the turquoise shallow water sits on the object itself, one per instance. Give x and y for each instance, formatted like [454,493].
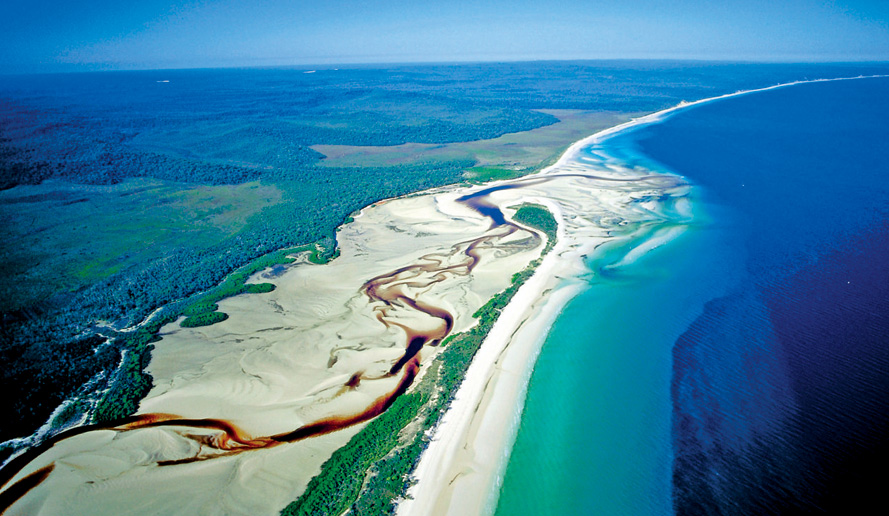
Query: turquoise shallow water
[595,432]
[743,367]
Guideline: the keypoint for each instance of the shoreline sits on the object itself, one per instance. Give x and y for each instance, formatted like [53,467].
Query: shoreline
[462,469]
[573,151]
[289,358]
[323,345]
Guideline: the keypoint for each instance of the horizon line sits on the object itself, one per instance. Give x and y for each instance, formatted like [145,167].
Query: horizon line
[446,62]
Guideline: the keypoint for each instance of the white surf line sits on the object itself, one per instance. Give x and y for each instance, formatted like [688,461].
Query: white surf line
[448,433]
[572,152]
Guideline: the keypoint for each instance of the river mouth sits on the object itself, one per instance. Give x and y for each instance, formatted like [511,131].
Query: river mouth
[297,371]
[740,369]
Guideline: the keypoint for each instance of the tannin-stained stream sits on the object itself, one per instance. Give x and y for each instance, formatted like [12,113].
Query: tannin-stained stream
[388,292]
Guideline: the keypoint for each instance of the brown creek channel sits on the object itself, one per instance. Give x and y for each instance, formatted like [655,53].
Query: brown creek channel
[387,292]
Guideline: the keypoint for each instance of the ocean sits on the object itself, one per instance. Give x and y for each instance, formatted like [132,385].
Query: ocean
[743,367]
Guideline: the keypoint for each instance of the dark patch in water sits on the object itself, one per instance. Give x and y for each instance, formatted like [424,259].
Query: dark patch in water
[781,389]
[833,321]
[732,401]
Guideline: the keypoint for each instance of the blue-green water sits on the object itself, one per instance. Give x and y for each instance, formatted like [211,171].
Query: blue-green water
[742,367]
[595,433]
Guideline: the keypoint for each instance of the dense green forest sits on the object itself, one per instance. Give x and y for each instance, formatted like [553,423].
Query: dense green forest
[38,339]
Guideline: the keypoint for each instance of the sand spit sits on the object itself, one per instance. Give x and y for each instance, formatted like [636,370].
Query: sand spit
[461,470]
[244,412]
[218,432]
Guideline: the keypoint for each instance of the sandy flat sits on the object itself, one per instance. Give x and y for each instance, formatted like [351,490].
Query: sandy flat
[461,470]
[326,344]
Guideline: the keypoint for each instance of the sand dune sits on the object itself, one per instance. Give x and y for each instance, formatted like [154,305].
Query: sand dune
[220,430]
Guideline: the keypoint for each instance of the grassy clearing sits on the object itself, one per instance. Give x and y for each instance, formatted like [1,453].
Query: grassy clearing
[67,237]
[481,175]
[504,157]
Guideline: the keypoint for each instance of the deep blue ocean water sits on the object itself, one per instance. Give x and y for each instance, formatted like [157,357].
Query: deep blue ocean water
[744,367]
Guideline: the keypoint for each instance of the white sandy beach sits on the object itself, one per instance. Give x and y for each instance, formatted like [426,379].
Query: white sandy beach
[289,358]
[461,470]
[320,347]
[324,346]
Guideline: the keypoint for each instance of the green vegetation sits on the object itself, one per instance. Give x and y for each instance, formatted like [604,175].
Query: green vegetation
[120,196]
[258,288]
[539,217]
[204,319]
[198,308]
[337,486]
[130,383]
[372,471]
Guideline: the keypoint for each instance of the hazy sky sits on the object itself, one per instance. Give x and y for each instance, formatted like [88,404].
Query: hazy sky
[48,35]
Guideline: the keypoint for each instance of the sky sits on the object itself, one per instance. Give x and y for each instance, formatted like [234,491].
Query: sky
[66,35]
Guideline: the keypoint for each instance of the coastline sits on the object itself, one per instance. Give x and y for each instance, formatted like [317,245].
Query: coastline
[462,469]
[573,151]
[472,433]
[314,349]
[246,384]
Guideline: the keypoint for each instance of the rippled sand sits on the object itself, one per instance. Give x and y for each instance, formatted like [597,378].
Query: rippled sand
[244,412]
